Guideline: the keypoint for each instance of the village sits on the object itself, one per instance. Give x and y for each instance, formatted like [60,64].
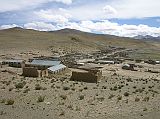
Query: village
[79,85]
[84,67]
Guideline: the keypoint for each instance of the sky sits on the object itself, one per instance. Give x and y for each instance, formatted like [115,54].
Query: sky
[126,18]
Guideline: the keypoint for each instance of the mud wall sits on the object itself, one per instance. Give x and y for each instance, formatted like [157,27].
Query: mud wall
[30,72]
[86,77]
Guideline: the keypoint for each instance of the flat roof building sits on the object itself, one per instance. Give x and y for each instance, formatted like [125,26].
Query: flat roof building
[45,62]
[57,69]
[14,63]
[42,64]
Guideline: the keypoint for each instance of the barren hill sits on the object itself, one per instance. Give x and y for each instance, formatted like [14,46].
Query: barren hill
[20,40]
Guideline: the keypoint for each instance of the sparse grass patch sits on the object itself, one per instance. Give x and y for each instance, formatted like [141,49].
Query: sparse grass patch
[85,88]
[139,90]
[126,94]
[70,107]
[104,87]
[134,87]
[111,96]
[78,108]
[119,98]
[41,99]
[61,103]
[10,102]
[8,83]
[137,99]
[38,87]
[62,113]
[115,88]
[66,88]
[145,109]
[3,87]
[10,89]
[58,87]
[80,90]
[26,90]
[81,97]
[73,89]
[146,99]
[2,113]
[20,85]
[44,88]
[3,100]
[101,99]
[95,88]
[64,97]
[53,86]
[53,80]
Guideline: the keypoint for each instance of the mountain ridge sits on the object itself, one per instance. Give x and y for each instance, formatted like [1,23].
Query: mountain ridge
[67,40]
[147,37]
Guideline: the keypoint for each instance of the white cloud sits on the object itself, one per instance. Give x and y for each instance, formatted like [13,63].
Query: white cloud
[125,30]
[99,26]
[41,26]
[74,25]
[92,12]
[8,26]
[136,8]
[63,1]
[124,9]
[105,27]
[10,5]
[109,10]
[59,16]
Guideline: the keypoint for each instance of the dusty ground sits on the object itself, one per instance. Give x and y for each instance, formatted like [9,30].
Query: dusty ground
[121,94]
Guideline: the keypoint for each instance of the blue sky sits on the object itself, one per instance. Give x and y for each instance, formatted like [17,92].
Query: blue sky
[116,17]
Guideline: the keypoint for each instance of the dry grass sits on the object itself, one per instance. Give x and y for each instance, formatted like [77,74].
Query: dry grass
[68,40]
